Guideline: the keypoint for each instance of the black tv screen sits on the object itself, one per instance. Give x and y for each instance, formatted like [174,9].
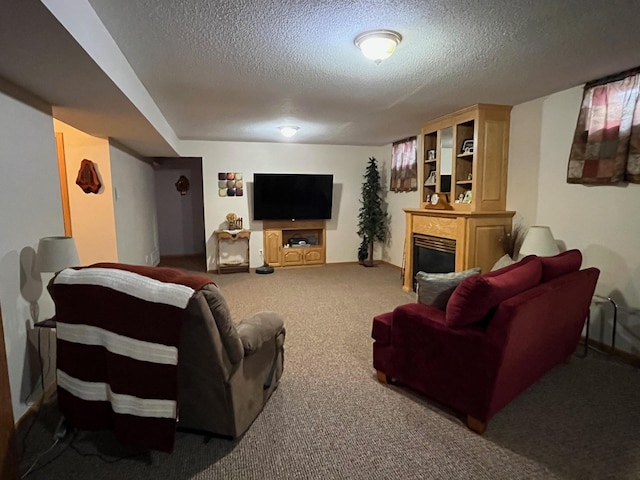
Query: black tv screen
[292,196]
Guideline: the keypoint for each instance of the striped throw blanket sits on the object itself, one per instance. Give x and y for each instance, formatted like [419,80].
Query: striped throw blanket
[118,332]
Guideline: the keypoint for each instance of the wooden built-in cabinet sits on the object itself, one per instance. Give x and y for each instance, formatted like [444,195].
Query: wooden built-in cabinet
[277,249]
[480,175]
[472,181]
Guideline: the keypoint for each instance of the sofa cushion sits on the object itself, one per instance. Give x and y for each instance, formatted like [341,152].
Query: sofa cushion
[561,264]
[434,289]
[474,298]
[222,316]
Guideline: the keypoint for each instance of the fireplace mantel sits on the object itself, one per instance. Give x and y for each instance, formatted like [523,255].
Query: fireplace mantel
[477,236]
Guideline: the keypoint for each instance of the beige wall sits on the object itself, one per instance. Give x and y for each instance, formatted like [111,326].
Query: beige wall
[92,215]
[601,221]
[31,209]
[134,208]
[346,163]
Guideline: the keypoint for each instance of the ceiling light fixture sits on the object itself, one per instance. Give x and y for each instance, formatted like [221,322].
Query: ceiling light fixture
[288,130]
[377,45]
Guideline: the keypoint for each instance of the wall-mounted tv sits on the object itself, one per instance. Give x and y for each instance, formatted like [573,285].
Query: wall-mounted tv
[292,196]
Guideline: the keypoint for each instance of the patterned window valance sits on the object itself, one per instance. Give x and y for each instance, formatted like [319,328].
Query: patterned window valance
[606,144]
[404,166]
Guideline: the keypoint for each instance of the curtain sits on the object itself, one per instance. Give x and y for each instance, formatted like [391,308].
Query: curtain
[404,166]
[606,144]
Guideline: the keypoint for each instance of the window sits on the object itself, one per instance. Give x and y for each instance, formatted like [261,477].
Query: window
[404,166]
[606,144]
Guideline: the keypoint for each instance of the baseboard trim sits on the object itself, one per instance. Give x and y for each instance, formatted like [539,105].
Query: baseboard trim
[600,347]
[35,408]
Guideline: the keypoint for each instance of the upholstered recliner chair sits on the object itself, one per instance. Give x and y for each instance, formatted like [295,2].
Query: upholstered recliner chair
[143,350]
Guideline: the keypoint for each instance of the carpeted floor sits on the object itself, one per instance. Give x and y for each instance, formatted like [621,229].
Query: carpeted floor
[330,418]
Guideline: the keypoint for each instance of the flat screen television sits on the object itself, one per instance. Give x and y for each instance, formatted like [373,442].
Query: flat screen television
[292,196]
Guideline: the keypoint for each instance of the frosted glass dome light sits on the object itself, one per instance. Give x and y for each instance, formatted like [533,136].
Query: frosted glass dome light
[378,45]
[289,130]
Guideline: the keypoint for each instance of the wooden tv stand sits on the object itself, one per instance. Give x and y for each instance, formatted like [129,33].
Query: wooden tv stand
[277,234]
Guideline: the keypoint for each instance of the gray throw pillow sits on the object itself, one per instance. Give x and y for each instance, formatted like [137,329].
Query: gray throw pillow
[502,262]
[434,289]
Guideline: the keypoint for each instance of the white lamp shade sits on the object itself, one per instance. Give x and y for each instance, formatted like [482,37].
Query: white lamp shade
[539,241]
[56,253]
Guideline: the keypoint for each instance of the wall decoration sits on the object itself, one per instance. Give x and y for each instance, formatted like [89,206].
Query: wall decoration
[88,179]
[234,222]
[182,185]
[467,146]
[230,184]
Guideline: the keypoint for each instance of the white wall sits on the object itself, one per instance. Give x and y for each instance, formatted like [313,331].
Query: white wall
[180,217]
[31,209]
[346,163]
[134,208]
[601,221]
[92,215]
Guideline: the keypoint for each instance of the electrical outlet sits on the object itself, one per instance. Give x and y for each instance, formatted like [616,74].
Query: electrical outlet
[260,251]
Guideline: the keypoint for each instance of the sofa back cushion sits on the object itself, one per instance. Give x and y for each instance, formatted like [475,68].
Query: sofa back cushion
[561,264]
[474,298]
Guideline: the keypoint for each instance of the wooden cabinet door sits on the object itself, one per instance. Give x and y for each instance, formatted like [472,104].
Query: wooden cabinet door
[272,245]
[313,256]
[292,256]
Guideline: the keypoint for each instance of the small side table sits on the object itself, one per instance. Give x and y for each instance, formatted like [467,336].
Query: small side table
[597,299]
[48,323]
[232,236]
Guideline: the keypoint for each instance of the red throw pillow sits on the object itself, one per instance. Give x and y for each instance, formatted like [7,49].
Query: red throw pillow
[472,300]
[561,264]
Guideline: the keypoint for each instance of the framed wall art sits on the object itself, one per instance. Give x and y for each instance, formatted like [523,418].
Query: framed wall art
[230,184]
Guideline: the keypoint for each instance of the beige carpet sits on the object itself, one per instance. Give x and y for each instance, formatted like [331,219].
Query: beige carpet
[330,419]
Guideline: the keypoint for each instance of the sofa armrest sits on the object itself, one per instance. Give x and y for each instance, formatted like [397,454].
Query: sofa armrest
[255,331]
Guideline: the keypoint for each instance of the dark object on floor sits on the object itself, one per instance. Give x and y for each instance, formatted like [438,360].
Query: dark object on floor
[265,269]
[500,333]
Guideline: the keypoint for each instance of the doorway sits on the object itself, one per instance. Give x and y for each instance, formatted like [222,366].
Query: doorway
[180,212]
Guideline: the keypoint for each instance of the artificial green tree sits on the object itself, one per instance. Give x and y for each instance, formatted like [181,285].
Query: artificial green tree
[372,219]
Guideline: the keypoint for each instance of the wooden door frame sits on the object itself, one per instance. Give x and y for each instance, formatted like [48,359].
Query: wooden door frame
[64,186]
[8,450]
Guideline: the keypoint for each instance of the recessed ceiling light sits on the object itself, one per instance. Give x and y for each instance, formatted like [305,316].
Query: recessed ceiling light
[377,45]
[288,130]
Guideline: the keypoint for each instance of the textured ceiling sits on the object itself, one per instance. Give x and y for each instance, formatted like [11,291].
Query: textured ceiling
[237,69]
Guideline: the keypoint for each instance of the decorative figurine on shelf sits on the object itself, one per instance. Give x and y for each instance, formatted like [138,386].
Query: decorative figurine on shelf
[470,176]
[235,222]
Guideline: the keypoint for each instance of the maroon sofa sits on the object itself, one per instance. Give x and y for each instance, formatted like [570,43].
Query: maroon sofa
[499,334]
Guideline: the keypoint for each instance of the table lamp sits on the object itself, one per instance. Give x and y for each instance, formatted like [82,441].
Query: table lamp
[538,241]
[55,254]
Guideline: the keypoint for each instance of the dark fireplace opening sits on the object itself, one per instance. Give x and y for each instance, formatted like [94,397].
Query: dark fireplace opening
[433,255]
